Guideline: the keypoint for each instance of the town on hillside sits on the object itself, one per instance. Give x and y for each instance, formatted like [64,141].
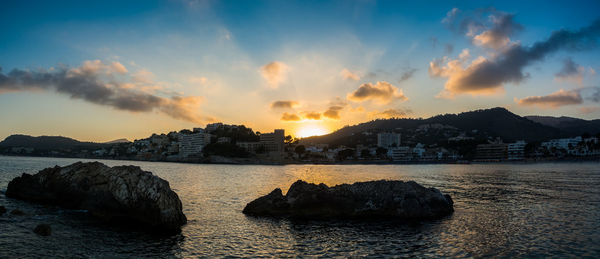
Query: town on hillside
[428,143]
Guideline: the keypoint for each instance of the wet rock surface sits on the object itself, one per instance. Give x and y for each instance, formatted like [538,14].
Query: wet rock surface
[374,199]
[43,230]
[120,194]
[17,212]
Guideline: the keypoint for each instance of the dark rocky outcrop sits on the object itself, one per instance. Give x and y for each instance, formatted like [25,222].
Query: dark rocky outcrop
[2,210]
[43,230]
[120,194]
[375,199]
[17,212]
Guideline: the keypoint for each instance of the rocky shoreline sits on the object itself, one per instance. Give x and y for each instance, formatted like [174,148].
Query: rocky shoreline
[120,194]
[374,199]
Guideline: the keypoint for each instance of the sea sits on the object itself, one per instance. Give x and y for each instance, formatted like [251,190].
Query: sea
[501,210]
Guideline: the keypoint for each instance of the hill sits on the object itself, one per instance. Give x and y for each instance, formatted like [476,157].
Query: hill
[495,122]
[118,141]
[573,126]
[46,142]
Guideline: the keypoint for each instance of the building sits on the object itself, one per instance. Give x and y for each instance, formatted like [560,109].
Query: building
[400,153]
[273,142]
[563,143]
[516,151]
[492,152]
[224,140]
[387,140]
[192,144]
[269,142]
[213,126]
[250,146]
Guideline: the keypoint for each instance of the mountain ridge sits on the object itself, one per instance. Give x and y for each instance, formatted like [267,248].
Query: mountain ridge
[497,121]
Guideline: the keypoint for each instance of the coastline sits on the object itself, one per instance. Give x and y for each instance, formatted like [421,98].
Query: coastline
[248,161]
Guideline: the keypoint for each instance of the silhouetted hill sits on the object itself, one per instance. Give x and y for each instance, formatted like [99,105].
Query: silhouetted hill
[46,142]
[573,126]
[495,122]
[118,141]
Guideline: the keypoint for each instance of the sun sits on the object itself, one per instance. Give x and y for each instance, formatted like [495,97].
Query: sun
[312,130]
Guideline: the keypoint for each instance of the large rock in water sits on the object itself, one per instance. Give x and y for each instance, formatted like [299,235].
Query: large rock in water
[121,194]
[375,199]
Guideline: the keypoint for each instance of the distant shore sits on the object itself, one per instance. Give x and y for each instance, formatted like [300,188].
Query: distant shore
[250,161]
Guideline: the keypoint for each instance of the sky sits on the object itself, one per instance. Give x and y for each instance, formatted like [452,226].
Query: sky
[104,70]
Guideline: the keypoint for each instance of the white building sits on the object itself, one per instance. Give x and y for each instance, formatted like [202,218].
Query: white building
[516,151]
[192,144]
[387,140]
[400,153]
[563,143]
[419,150]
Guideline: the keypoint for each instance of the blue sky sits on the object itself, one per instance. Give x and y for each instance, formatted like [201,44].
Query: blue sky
[169,65]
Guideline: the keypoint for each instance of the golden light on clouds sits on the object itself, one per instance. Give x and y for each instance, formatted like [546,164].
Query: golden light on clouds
[274,72]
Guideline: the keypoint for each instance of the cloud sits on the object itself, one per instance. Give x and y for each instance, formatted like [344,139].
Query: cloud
[274,73]
[588,109]
[595,97]
[486,27]
[143,76]
[118,68]
[592,71]
[312,115]
[434,41]
[484,76]
[198,80]
[94,82]
[382,91]
[448,48]
[451,15]
[289,117]
[553,100]
[348,75]
[570,72]
[333,112]
[407,74]
[498,35]
[392,113]
[284,104]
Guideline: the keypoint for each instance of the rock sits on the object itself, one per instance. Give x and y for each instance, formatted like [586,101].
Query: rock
[2,210]
[43,230]
[120,194]
[17,212]
[374,199]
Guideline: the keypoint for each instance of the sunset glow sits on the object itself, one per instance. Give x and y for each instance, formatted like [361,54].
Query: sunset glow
[311,130]
[308,68]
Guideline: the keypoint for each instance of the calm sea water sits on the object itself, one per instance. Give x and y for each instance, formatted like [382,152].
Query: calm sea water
[502,210]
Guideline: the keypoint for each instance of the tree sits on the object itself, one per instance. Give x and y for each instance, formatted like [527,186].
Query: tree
[288,139]
[300,149]
[365,153]
[342,155]
[381,151]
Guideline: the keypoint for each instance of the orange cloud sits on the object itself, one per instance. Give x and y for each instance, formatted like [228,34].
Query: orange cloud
[284,104]
[312,115]
[382,92]
[289,117]
[588,109]
[274,73]
[93,82]
[333,112]
[347,74]
[553,100]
